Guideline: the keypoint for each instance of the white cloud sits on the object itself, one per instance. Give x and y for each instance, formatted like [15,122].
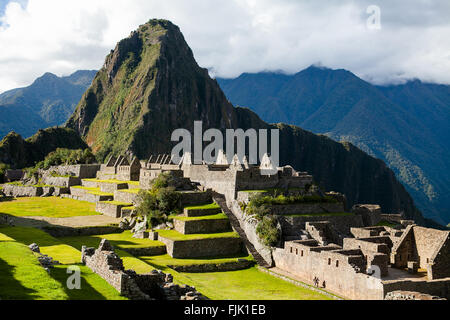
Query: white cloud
[235,36]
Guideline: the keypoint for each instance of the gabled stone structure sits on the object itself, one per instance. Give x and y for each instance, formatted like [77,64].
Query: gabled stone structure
[129,171]
[423,248]
[156,165]
[120,168]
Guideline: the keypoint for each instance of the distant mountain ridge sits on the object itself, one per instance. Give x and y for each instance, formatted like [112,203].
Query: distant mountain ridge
[150,85]
[47,102]
[407,125]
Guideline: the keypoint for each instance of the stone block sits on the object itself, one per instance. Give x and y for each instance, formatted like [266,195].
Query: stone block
[202,226]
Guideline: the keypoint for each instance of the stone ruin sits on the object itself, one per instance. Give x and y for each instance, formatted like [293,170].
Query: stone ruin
[345,249]
[155,285]
[410,295]
[45,261]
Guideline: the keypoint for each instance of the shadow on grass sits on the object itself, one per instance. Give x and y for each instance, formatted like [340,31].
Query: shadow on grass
[29,235]
[7,199]
[94,241]
[86,291]
[10,288]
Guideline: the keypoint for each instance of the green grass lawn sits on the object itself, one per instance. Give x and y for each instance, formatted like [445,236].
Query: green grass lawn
[49,245]
[23,278]
[385,223]
[120,240]
[52,207]
[175,235]
[248,284]
[165,260]
[204,207]
[94,191]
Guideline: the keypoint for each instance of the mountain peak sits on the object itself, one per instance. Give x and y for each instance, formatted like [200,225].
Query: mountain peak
[46,77]
[150,73]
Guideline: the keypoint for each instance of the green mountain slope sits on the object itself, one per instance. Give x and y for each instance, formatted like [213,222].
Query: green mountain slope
[151,85]
[406,126]
[48,102]
[19,153]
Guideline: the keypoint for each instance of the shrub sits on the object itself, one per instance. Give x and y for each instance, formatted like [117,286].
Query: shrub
[66,156]
[160,202]
[164,180]
[3,168]
[267,231]
[168,200]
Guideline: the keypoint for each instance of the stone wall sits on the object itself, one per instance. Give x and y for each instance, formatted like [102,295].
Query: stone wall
[126,197]
[61,181]
[109,209]
[220,179]
[423,245]
[249,227]
[16,191]
[308,208]
[112,187]
[410,295]
[82,171]
[202,226]
[343,224]
[376,250]
[440,287]
[195,198]
[440,268]
[342,271]
[371,213]
[202,247]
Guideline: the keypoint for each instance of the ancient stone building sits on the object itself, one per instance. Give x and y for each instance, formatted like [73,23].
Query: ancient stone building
[423,248]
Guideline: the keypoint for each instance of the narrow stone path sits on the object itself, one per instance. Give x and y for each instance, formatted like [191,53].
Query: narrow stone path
[220,200]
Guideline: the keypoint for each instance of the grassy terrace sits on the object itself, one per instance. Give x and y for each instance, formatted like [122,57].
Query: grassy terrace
[220,216]
[248,284]
[134,183]
[22,277]
[19,184]
[176,236]
[25,279]
[120,240]
[48,244]
[118,203]
[323,214]
[53,207]
[163,261]
[135,191]
[204,207]
[94,191]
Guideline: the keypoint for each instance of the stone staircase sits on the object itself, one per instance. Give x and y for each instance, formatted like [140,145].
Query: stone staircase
[220,200]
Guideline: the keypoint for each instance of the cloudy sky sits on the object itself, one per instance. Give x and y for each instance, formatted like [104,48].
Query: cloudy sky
[234,36]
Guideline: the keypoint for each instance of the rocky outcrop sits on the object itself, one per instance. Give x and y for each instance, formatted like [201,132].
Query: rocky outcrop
[19,153]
